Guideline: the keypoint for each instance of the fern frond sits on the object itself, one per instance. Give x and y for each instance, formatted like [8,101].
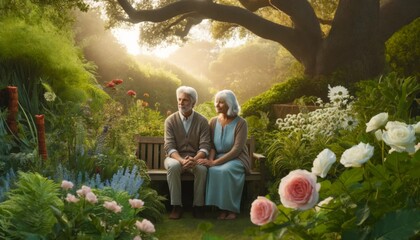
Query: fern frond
[29,205]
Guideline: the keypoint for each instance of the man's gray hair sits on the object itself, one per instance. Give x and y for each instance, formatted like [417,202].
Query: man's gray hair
[188,90]
[229,97]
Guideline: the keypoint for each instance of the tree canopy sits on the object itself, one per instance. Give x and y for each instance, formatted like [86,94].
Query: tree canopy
[353,41]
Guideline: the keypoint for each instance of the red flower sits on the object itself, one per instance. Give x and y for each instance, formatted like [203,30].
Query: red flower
[131,93]
[145,104]
[117,81]
[110,84]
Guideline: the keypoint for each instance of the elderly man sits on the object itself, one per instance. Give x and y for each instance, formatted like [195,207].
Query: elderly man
[187,138]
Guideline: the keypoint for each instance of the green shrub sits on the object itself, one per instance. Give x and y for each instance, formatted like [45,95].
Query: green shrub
[28,211]
[42,52]
[390,93]
[403,50]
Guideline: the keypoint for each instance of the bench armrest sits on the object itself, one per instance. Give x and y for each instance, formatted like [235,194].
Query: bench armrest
[260,158]
[263,168]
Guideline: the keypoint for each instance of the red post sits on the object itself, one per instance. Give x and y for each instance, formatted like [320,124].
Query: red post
[42,146]
[13,107]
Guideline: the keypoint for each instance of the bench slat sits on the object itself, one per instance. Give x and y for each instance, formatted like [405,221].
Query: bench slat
[151,150]
[156,156]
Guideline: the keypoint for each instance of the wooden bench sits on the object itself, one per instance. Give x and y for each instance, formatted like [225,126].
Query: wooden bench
[151,150]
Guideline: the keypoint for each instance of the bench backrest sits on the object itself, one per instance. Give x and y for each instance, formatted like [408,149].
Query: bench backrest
[150,149]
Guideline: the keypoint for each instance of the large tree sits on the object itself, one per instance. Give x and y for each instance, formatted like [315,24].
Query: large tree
[354,41]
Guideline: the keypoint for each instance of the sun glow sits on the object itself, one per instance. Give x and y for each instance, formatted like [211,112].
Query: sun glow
[129,38]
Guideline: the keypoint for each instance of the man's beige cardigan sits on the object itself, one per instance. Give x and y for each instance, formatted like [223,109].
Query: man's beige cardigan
[198,136]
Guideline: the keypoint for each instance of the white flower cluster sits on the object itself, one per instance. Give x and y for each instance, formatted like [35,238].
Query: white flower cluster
[330,117]
[49,96]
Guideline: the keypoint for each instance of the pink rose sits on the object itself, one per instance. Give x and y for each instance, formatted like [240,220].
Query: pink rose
[71,198]
[91,197]
[66,185]
[299,190]
[145,226]
[112,206]
[136,203]
[263,211]
[137,237]
[83,191]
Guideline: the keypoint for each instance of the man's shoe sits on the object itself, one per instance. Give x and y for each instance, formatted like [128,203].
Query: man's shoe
[176,212]
[198,212]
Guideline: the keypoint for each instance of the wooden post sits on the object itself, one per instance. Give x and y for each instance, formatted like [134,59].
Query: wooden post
[40,125]
[13,107]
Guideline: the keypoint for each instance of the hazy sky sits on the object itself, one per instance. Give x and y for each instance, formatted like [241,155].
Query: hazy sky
[129,37]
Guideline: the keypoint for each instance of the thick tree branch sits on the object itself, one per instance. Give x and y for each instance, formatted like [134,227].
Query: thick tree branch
[307,28]
[302,15]
[254,5]
[395,14]
[288,37]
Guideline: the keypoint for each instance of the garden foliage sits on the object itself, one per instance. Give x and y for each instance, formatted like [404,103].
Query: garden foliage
[366,194]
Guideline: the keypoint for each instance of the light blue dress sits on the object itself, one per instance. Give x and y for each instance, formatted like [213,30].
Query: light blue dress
[225,182]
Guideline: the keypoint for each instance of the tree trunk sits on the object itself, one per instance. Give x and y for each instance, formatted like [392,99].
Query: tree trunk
[354,43]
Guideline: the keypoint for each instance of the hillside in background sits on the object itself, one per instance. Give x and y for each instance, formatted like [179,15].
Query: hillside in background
[248,69]
[154,80]
[204,65]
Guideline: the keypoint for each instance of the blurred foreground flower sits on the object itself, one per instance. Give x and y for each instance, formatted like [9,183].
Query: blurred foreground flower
[145,226]
[263,211]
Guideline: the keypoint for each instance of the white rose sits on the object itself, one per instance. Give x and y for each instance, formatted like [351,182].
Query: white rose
[323,162]
[393,124]
[417,127]
[378,135]
[400,136]
[357,155]
[377,121]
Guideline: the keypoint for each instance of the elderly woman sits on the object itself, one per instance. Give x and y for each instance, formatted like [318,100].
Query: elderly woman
[228,159]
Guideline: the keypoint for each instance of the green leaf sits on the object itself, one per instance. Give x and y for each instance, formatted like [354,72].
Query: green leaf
[352,176]
[401,224]
[359,234]
[378,171]
[398,162]
[415,166]
[362,214]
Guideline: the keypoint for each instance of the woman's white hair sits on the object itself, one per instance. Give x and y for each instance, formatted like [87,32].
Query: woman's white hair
[229,97]
[188,90]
